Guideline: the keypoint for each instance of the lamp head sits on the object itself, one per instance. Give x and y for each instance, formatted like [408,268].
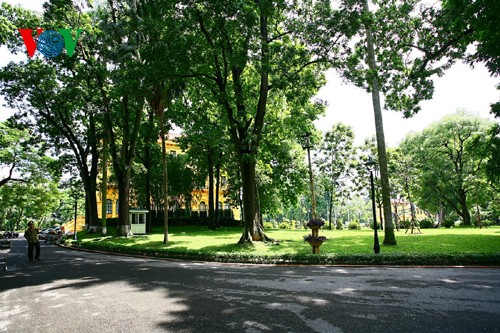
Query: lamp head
[370,164]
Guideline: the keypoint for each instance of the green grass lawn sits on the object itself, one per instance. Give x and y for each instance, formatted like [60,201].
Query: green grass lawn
[456,246]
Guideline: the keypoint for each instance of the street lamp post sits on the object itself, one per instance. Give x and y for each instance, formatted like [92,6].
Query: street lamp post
[370,164]
[307,145]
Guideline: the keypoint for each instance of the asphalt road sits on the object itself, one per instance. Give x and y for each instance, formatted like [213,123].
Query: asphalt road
[73,291]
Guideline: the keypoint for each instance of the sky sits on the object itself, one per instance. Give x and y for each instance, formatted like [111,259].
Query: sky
[462,87]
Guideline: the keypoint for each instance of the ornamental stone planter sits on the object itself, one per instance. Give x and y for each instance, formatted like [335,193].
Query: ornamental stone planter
[315,231]
[314,240]
[315,245]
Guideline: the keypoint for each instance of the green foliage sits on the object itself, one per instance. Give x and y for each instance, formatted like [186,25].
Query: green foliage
[411,44]
[335,161]
[449,164]
[23,156]
[268,225]
[475,22]
[354,225]
[427,223]
[36,201]
[284,225]
[449,222]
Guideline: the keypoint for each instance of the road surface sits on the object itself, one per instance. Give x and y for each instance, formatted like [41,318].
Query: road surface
[73,291]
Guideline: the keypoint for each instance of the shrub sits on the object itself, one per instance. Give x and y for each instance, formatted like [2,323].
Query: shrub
[229,222]
[110,221]
[354,226]
[268,225]
[449,222]
[427,223]
[284,225]
[484,223]
[339,226]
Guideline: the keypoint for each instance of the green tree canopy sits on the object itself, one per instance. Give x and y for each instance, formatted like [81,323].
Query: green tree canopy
[447,157]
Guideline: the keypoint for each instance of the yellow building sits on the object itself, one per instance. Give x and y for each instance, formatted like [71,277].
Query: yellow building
[199,202]
[404,210]
[111,202]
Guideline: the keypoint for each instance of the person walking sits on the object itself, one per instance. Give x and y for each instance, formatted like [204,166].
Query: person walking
[31,235]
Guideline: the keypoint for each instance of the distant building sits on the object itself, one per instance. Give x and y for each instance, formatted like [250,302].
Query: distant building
[199,202]
[402,208]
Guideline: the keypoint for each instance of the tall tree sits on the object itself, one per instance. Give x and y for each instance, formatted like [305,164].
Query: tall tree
[57,94]
[143,181]
[153,23]
[403,179]
[335,161]
[117,68]
[247,51]
[204,137]
[402,46]
[447,158]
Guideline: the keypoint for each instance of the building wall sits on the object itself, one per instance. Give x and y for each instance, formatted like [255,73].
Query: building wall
[404,210]
[112,202]
[199,202]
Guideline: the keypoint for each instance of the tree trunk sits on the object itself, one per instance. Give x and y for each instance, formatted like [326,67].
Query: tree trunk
[147,165]
[165,179]
[217,188]
[123,228]
[211,211]
[441,214]
[252,229]
[464,210]
[390,238]
[259,210]
[381,216]
[122,163]
[86,210]
[91,197]
[413,223]
[104,185]
[396,215]
[330,208]
[147,189]
[90,187]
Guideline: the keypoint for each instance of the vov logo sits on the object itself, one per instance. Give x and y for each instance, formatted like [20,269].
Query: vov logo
[50,42]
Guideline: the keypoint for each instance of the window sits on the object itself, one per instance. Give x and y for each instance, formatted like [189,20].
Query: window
[116,208]
[223,181]
[203,206]
[173,152]
[226,206]
[220,205]
[109,206]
